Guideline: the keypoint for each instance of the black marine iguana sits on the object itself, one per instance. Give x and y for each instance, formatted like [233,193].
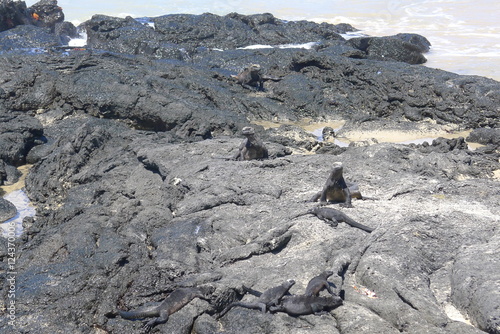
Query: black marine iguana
[336,189]
[173,303]
[252,147]
[302,305]
[318,283]
[252,76]
[333,217]
[268,298]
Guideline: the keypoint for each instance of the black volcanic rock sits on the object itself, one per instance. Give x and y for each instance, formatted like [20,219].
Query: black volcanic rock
[7,210]
[135,194]
[485,136]
[189,32]
[27,37]
[417,40]
[12,14]
[46,13]
[18,134]
[390,49]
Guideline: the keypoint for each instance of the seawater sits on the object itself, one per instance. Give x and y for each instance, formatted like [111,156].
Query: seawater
[465,35]
[24,209]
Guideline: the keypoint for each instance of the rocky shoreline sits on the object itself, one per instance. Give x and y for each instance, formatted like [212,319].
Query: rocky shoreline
[134,196]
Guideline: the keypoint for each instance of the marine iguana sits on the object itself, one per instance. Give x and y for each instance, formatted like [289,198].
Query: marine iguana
[336,189]
[173,303]
[333,217]
[252,147]
[302,305]
[268,298]
[252,76]
[318,283]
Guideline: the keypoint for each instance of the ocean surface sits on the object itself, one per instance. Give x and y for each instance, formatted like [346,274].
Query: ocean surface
[465,34]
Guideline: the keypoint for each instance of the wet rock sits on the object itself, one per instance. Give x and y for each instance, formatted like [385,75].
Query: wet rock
[7,210]
[417,40]
[391,48]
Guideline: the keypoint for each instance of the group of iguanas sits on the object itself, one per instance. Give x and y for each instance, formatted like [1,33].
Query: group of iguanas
[336,189]
[276,299]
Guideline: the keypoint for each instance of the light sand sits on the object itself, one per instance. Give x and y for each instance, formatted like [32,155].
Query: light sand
[20,183]
[426,133]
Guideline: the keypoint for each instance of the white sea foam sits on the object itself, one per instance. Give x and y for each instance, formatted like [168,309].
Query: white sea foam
[353,34]
[307,46]
[256,46]
[76,42]
[24,209]
[81,40]
[146,21]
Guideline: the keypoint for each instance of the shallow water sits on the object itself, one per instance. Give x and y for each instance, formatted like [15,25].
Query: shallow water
[15,194]
[465,35]
[24,209]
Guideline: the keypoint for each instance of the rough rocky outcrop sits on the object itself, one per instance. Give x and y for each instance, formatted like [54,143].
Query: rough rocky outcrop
[18,134]
[485,136]
[143,215]
[40,26]
[203,31]
[392,48]
[134,197]
[7,210]
[13,13]
[182,36]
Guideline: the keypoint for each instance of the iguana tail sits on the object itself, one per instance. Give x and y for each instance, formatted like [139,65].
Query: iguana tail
[360,226]
[139,314]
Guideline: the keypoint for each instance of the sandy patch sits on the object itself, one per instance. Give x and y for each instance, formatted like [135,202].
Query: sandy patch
[306,124]
[426,133]
[20,183]
[401,136]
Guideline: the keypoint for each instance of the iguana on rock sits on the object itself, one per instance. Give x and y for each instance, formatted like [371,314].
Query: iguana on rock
[336,189]
[302,305]
[268,298]
[252,77]
[252,147]
[333,217]
[173,303]
[318,283]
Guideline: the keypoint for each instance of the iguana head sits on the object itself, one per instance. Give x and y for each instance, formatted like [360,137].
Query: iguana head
[248,131]
[337,170]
